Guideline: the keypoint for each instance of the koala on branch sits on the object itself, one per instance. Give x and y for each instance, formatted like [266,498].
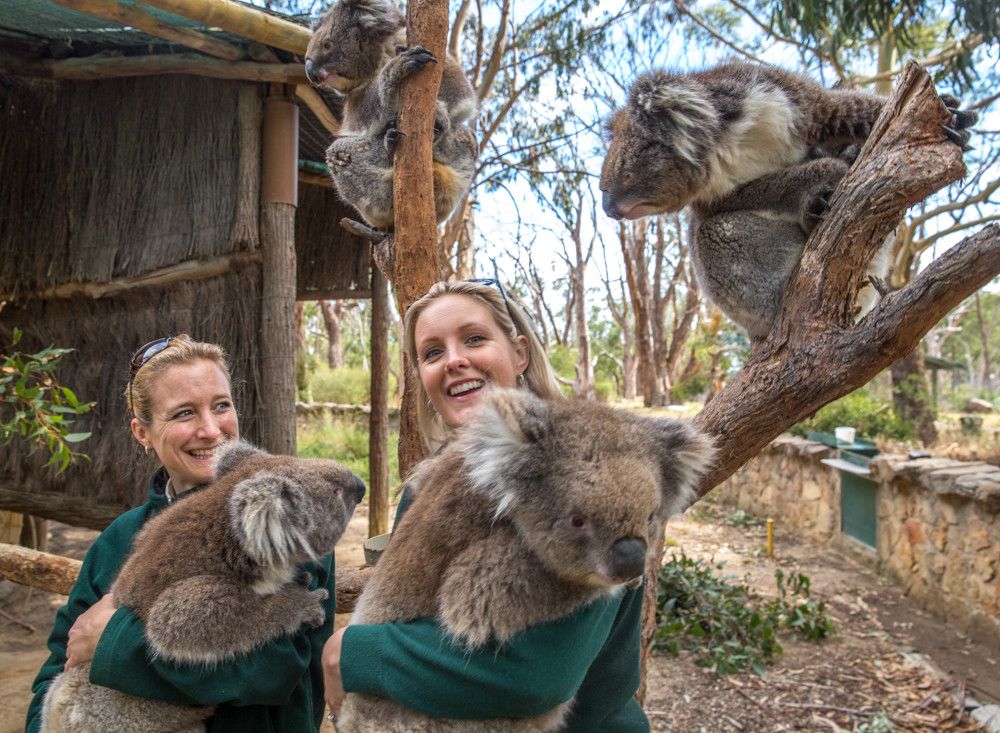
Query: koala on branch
[535,509]
[228,583]
[358,49]
[737,142]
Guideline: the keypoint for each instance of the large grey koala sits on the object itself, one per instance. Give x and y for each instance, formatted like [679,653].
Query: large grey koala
[357,49]
[737,142]
[220,588]
[535,509]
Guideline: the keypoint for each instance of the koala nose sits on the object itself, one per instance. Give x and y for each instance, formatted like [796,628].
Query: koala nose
[313,74]
[357,492]
[628,558]
[606,199]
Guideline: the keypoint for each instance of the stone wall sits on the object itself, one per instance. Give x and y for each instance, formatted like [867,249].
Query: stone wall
[938,522]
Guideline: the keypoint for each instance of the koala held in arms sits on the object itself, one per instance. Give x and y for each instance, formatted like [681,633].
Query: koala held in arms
[214,576]
[737,142]
[533,510]
[357,49]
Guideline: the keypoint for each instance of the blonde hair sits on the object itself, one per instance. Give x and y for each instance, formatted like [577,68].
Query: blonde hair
[539,377]
[182,349]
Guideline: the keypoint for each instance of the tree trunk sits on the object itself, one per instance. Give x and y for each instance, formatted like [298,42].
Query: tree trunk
[985,381]
[416,261]
[333,312]
[378,423]
[815,351]
[632,239]
[911,399]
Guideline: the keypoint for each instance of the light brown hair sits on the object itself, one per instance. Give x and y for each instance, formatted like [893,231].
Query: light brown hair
[181,350]
[539,377]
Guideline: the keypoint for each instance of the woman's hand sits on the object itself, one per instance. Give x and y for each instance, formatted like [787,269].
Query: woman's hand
[333,686]
[86,632]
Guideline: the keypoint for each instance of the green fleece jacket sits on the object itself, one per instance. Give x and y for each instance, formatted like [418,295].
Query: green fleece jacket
[279,687]
[592,655]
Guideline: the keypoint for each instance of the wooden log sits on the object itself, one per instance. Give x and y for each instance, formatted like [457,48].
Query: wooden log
[57,574]
[378,424]
[73,510]
[106,66]
[241,20]
[279,196]
[415,266]
[41,570]
[136,17]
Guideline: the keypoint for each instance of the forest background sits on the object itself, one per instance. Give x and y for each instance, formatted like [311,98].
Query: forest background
[617,305]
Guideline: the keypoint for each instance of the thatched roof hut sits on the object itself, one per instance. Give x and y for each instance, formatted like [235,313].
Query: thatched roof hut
[151,188]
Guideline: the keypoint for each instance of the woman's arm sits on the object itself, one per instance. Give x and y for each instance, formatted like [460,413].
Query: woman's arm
[417,665]
[267,676]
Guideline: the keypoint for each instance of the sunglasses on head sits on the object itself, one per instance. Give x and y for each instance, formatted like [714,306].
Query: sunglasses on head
[493,282]
[142,355]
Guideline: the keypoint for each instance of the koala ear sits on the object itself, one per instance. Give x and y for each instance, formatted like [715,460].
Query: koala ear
[233,454]
[509,422]
[261,508]
[372,14]
[685,454]
[682,113]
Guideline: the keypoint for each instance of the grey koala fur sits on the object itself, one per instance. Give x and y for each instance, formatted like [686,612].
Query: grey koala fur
[734,142]
[357,49]
[213,576]
[533,510]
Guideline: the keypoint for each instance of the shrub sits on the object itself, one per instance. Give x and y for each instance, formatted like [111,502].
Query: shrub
[345,386]
[871,416]
[344,440]
[725,624]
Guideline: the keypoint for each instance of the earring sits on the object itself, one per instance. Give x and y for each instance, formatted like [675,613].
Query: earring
[147,449]
[520,379]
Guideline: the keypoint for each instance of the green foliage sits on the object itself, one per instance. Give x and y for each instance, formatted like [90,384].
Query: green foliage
[604,389]
[871,416]
[35,407]
[345,386]
[742,520]
[344,440]
[725,624]
[563,360]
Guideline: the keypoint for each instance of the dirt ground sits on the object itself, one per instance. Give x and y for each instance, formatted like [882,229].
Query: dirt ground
[888,660]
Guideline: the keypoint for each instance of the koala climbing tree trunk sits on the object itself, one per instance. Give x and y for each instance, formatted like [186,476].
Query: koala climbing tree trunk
[815,351]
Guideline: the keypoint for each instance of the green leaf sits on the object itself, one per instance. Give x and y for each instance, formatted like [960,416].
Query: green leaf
[76,437]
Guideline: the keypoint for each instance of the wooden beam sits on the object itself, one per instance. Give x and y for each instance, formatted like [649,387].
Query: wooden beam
[138,18]
[107,66]
[334,294]
[77,511]
[315,179]
[242,21]
[317,105]
[184,272]
[57,574]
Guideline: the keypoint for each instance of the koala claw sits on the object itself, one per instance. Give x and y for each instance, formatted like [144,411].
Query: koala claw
[959,137]
[417,57]
[879,284]
[392,138]
[961,119]
[816,206]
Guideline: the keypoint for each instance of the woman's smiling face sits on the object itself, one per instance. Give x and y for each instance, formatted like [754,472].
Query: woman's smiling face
[192,416]
[460,349]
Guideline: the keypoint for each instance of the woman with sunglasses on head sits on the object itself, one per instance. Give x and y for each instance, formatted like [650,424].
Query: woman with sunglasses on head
[180,399]
[461,337]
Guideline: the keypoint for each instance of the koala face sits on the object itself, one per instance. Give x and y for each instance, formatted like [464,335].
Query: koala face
[581,482]
[288,510]
[345,51]
[659,148]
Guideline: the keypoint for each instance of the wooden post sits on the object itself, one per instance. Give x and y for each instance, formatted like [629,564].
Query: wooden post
[378,422]
[416,240]
[279,197]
